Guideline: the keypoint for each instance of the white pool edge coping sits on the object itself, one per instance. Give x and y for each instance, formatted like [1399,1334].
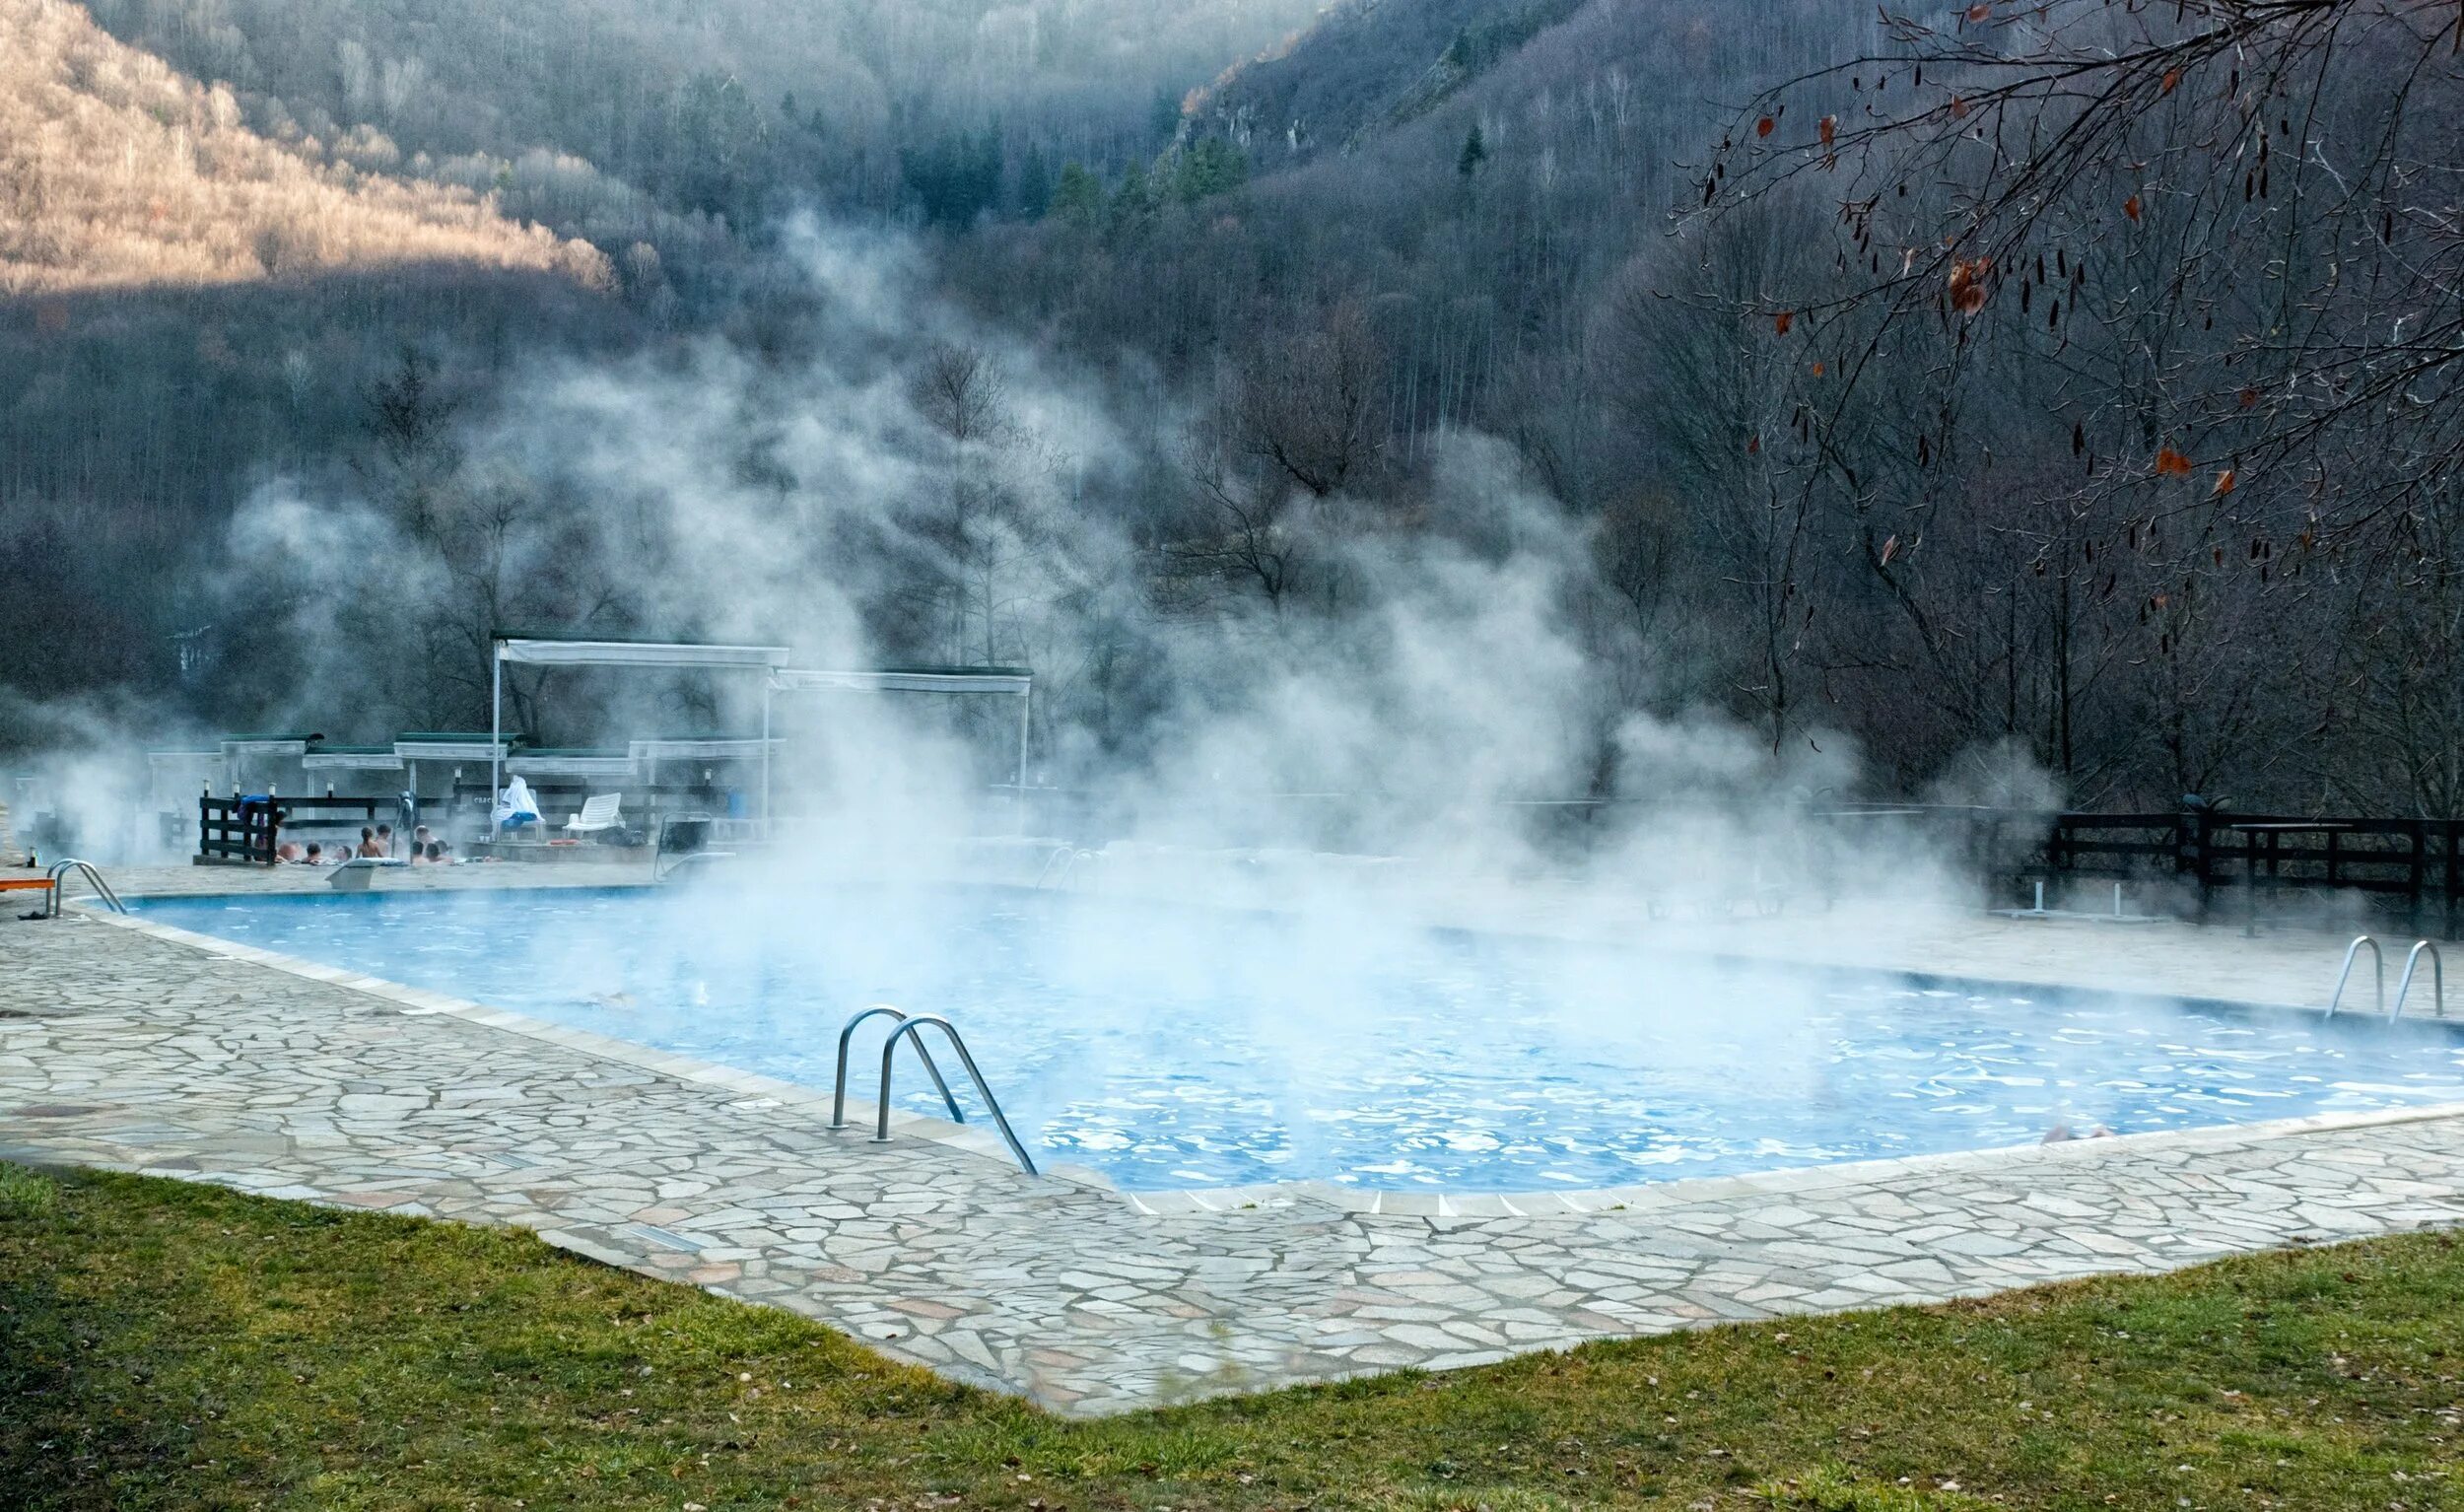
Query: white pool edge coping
[1417,1202]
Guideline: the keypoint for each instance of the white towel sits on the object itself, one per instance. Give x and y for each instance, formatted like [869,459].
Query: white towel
[514,806]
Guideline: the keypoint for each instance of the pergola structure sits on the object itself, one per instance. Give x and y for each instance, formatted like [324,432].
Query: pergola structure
[183,772]
[1010,680]
[448,745]
[560,650]
[564,650]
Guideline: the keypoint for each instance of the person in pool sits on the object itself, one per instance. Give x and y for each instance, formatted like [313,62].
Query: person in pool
[369,847]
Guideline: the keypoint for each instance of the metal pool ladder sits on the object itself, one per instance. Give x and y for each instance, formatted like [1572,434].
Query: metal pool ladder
[2404,987]
[2378,965]
[103,889]
[1058,866]
[907,1024]
[2438,980]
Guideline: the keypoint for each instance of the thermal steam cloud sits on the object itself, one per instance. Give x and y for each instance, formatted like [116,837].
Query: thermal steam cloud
[914,484]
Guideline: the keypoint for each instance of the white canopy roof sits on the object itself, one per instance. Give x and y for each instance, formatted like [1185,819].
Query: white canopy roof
[354,761]
[701,748]
[449,748]
[955,680]
[556,653]
[569,764]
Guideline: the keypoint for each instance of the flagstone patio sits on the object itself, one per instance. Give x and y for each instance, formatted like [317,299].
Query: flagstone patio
[124,1048]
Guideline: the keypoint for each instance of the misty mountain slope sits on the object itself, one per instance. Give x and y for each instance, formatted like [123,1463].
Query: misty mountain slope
[1367,64]
[1371,68]
[735,108]
[116,171]
[1476,270]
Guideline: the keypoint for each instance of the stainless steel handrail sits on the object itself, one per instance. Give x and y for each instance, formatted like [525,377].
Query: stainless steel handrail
[881,1125]
[2438,979]
[690,860]
[681,859]
[103,889]
[838,1096]
[2378,962]
[1060,864]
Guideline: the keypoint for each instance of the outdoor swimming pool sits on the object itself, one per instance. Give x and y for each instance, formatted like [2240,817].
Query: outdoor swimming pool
[1175,1047]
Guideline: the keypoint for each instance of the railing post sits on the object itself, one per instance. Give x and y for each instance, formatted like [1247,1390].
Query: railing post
[2190,852]
[2452,833]
[2418,873]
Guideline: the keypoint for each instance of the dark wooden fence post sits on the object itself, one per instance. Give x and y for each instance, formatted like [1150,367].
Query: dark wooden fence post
[2190,852]
[2454,829]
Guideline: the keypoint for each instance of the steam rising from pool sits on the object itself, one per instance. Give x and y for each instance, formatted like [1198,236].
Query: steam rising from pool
[1197,1046]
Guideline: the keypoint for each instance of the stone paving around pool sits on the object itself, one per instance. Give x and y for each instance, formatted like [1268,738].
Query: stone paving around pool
[123,1048]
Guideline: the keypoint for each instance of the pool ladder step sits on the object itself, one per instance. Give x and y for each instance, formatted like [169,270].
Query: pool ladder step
[60,879]
[2404,986]
[909,1025]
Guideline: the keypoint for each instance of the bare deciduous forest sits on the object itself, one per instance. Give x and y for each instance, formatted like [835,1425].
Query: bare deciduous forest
[2068,386]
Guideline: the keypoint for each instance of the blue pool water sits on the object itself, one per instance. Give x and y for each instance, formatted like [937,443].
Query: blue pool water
[1181,1047]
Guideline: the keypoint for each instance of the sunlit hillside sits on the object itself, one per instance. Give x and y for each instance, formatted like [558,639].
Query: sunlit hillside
[116,171]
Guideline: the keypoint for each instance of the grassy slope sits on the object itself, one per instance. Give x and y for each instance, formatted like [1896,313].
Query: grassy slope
[165,1345]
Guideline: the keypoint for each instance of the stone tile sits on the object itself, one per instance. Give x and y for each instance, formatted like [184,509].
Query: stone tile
[340,1090]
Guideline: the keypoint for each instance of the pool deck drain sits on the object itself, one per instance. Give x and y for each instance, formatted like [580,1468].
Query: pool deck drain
[140,1052]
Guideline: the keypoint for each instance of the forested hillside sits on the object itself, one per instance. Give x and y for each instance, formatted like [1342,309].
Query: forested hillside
[185,306]
[2058,395]
[636,122]
[1847,469]
[115,172]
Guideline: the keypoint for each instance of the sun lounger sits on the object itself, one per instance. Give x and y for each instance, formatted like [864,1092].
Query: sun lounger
[599,813]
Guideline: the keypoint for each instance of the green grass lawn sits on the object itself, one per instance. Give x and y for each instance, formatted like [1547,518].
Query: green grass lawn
[180,1347]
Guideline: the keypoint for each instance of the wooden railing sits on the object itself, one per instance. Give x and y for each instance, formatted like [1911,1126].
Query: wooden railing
[247,829]
[2411,867]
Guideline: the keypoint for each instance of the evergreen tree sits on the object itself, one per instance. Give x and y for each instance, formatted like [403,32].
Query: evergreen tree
[1035,183]
[1078,198]
[957,177]
[1132,206]
[1207,168]
[1474,153]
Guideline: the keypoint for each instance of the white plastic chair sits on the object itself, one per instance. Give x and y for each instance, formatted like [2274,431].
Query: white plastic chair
[599,813]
